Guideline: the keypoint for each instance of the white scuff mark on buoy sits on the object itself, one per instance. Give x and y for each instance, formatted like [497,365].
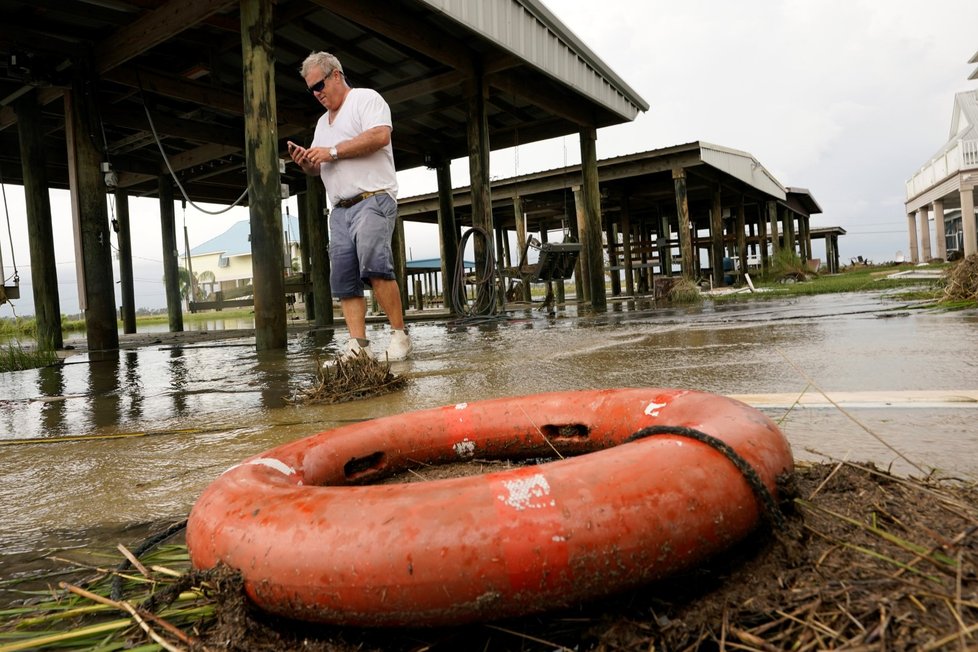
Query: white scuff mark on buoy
[558,539]
[528,493]
[652,409]
[464,448]
[273,463]
[461,406]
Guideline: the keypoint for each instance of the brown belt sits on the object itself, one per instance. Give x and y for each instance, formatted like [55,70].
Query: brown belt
[356,199]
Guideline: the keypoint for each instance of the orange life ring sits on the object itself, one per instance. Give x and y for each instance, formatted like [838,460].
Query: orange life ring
[314,543]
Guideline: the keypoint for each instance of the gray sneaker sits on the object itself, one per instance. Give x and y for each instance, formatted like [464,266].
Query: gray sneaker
[400,346]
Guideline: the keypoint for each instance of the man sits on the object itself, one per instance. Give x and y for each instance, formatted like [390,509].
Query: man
[351,151]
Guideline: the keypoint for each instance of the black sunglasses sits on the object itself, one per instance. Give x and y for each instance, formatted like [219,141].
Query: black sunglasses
[321,84]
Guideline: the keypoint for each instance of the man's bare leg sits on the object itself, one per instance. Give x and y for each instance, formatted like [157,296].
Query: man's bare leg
[389,297]
[355,315]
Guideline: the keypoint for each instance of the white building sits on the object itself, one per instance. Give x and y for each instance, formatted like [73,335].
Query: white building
[228,256]
[947,181]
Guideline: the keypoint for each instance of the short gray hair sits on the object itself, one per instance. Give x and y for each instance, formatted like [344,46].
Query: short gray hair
[322,60]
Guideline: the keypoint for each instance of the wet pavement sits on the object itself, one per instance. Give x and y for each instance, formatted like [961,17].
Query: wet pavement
[165,416]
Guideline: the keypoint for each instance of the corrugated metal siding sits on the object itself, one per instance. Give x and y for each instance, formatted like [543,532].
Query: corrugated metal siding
[743,166]
[519,30]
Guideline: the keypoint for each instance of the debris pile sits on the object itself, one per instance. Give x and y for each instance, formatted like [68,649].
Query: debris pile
[349,379]
[961,280]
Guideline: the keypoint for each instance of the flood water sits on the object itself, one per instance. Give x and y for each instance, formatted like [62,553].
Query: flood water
[184,413]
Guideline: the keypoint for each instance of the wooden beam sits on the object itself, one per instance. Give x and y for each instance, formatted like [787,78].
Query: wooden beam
[191,91]
[128,42]
[153,28]
[174,127]
[426,86]
[555,99]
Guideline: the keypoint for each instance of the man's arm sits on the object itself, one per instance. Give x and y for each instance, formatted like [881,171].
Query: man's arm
[365,143]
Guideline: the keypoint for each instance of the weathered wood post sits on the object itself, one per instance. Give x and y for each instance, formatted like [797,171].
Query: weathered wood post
[315,208]
[742,235]
[590,227]
[171,273]
[626,244]
[772,216]
[685,233]
[93,246]
[448,240]
[125,262]
[478,143]
[520,221]
[44,272]
[716,237]
[264,182]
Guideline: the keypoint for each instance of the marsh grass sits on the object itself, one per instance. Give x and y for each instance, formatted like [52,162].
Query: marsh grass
[684,291]
[786,263]
[160,607]
[855,279]
[13,357]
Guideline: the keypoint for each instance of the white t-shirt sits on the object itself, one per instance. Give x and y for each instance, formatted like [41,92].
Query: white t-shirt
[362,109]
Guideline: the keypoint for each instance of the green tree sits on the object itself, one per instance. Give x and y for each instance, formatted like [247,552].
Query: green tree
[186,284]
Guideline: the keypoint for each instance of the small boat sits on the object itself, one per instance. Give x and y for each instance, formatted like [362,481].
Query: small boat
[315,541]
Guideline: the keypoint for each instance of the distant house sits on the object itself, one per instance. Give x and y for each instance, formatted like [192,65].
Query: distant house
[947,182]
[228,256]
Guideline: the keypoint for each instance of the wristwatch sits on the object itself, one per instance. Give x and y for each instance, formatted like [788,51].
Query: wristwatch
[333,154]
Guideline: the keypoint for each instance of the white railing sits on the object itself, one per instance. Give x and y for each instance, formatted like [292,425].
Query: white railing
[962,155]
[969,154]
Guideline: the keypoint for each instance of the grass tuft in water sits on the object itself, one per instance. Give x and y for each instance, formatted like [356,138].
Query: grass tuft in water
[14,357]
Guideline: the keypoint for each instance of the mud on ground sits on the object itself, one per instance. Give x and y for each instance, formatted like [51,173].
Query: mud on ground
[868,561]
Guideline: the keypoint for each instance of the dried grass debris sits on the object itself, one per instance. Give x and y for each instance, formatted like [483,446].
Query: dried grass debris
[961,280]
[349,379]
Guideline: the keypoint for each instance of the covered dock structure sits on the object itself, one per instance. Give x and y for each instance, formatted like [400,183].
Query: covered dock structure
[195,99]
[680,210]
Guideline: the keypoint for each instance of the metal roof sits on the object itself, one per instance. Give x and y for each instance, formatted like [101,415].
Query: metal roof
[528,30]
[743,166]
[644,178]
[178,62]
[801,198]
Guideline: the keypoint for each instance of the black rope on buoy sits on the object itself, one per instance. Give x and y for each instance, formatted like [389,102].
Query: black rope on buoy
[768,506]
[148,544]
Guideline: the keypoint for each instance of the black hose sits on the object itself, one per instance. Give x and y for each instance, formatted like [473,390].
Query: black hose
[485,284]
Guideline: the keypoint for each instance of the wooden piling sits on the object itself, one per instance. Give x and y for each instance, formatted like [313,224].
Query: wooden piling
[264,182]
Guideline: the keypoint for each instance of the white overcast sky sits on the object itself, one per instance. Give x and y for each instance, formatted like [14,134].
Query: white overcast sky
[846,98]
